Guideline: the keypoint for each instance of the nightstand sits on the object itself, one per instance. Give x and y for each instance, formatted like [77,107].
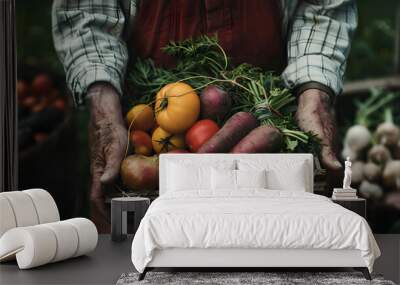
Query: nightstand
[119,209]
[357,205]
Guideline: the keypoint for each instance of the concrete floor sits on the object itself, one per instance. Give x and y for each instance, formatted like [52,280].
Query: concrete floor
[110,260]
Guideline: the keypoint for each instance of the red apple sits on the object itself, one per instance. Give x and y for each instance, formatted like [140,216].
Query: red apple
[141,143]
[140,172]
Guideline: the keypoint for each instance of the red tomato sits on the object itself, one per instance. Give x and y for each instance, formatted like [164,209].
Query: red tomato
[40,137]
[59,104]
[141,143]
[22,89]
[29,101]
[42,84]
[199,133]
[39,106]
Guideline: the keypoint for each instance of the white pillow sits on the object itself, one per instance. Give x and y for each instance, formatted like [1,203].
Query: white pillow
[227,179]
[183,178]
[281,175]
[223,179]
[185,175]
[293,181]
[251,178]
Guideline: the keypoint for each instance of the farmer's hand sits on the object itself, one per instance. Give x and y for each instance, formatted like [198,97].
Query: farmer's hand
[315,114]
[107,139]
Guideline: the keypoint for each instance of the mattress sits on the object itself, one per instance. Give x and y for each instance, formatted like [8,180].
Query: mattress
[252,219]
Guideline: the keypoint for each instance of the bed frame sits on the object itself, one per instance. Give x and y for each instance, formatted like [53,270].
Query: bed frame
[242,259]
[246,258]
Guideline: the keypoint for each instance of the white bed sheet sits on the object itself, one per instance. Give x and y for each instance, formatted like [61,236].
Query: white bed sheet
[252,218]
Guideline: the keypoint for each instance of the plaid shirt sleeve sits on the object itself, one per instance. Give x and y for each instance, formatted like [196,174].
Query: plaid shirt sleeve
[319,42]
[88,39]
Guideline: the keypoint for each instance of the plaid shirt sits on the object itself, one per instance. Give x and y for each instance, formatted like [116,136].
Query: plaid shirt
[88,37]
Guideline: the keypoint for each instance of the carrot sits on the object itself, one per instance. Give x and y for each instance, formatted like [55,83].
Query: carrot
[237,127]
[262,139]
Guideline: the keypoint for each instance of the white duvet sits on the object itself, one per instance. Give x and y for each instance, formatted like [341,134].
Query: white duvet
[250,219]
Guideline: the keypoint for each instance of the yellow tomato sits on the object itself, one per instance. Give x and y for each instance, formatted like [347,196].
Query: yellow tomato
[177,107]
[164,141]
[142,116]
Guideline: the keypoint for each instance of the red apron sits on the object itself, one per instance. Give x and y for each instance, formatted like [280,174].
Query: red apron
[248,30]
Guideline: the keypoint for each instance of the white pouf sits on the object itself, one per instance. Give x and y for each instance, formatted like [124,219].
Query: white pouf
[32,246]
[65,236]
[31,231]
[37,245]
[23,210]
[26,208]
[45,205]
[87,233]
[7,219]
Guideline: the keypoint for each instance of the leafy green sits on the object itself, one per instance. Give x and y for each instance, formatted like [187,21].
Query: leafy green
[201,62]
[369,111]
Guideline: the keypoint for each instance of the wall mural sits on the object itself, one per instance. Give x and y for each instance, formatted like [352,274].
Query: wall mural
[88,133]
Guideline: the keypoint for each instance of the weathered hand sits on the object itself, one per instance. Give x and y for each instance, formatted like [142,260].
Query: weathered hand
[107,138]
[315,114]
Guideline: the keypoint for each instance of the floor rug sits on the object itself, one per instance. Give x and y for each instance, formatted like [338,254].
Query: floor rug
[243,278]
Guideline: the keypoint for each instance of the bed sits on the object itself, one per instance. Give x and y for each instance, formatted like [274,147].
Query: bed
[247,210]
